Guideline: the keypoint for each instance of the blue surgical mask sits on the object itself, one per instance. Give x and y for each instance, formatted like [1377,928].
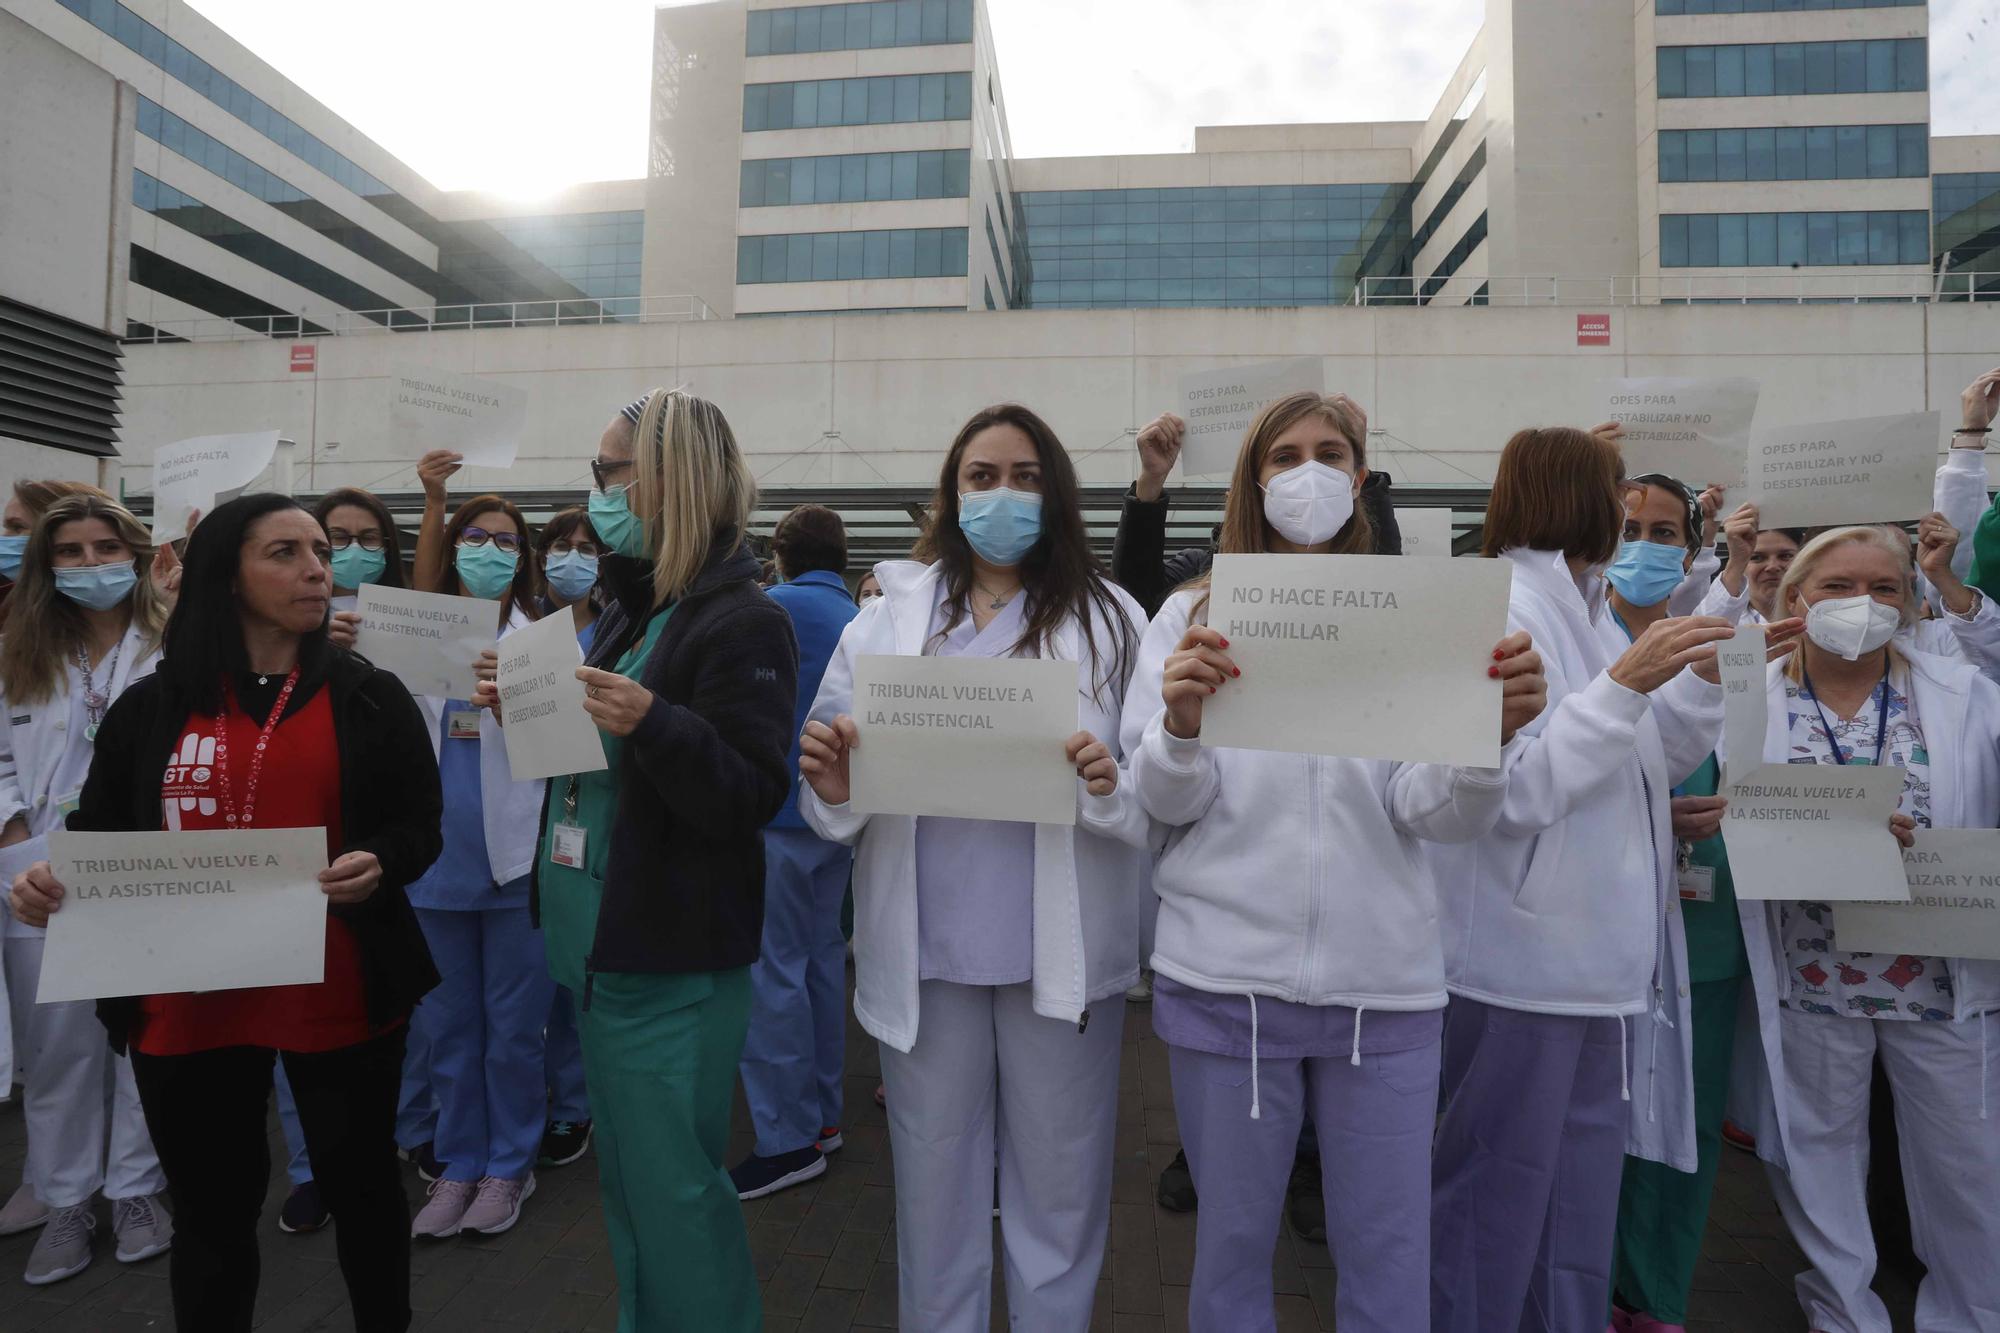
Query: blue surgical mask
[486,570]
[1001,525]
[11,551]
[353,566]
[1646,573]
[99,587]
[612,519]
[571,575]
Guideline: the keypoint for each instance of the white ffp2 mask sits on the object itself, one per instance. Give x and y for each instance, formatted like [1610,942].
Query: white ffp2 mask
[1850,626]
[1308,504]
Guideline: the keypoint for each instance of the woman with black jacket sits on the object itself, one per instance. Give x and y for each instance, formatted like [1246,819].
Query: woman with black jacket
[257,722]
[650,880]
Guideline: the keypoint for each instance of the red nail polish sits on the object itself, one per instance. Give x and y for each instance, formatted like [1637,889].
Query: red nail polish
[1493,673]
[1225,643]
[1499,656]
[1236,671]
[1211,689]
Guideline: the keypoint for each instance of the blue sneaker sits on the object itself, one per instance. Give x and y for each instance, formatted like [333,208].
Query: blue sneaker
[755,1176]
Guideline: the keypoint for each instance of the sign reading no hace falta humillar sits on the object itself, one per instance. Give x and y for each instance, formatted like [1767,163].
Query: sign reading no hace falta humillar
[1364,656]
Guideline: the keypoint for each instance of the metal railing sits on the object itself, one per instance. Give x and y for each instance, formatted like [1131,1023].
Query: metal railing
[430,319]
[1798,287]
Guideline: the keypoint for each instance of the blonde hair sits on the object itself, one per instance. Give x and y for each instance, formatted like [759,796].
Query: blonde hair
[46,629]
[1883,537]
[690,477]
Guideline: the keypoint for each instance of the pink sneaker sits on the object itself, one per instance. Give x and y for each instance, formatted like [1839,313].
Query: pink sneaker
[444,1216]
[498,1206]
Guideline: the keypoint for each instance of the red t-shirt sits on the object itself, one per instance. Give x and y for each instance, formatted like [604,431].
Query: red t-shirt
[299,787]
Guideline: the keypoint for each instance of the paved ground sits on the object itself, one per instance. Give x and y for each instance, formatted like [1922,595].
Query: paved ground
[826,1252]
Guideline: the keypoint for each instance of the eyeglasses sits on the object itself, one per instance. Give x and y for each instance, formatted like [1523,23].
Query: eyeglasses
[367,541]
[507,541]
[599,470]
[563,546]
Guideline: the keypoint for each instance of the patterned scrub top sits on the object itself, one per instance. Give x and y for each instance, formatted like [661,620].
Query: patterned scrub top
[1825,979]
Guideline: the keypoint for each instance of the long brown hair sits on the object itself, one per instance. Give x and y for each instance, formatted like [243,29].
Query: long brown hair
[1060,573]
[527,581]
[392,540]
[45,629]
[1557,489]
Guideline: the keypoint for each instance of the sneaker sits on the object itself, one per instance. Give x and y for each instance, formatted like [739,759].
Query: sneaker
[1305,1205]
[142,1226]
[1143,990]
[304,1210]
[1176,1192]
[497,1207]
[1732,1134]
[563,1142]
[23,1212]
[444,1215]
[425,1158]
[64,1247]
[755,1176]
[830,1140]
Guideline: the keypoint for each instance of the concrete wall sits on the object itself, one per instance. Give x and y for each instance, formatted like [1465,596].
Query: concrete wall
[693,175]
[873,399]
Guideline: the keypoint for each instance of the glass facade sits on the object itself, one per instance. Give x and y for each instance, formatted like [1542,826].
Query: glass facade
[155,46]
[1965,206]
[1665,7]
[853,178]
[1890,65]
[1796,153]
[1442,209]
[887,100]
[831,256]
[861,27]
[1783,240]
[1454,259]
[182,210]
[1239,245]
[596,254]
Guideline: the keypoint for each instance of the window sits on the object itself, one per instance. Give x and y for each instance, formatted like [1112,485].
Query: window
[1670,7]
[858,27]
[923,252]
[1815,152]
[1736,240]
[1789,68]
[871,101]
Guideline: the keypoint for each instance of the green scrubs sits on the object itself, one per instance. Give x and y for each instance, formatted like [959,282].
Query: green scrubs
[659,1056]
[1663,1212]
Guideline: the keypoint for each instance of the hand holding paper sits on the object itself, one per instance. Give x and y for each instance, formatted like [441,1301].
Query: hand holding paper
[191,476]
[823,758]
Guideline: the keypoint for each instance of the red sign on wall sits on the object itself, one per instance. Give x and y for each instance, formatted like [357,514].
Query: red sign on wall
[1593,330]
[304,355]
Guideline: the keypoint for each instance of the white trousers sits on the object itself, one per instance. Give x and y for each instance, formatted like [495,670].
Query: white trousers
[986,1067]
[1951,1166]
[86,1131]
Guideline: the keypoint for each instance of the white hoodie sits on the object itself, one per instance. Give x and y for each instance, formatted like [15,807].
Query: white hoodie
[1289,875]
[1561,908]
[1089,879]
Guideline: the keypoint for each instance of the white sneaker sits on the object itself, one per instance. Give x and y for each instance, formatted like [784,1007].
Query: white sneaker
[23,1212]
[444,1216]
[143,1227]
[1143,990]
[64,1248]
[498,1205]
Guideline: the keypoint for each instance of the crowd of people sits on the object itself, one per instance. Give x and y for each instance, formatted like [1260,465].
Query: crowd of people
[1490,1022]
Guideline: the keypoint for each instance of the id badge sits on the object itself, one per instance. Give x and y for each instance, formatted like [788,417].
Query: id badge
[1697,884]
[462,726]
[567,847]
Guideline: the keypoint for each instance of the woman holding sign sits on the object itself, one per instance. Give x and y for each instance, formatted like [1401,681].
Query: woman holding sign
[484,1021]
[1854,695]
[85,624]
[650,880]
[982,947]
[256,722]
[1298,963]
[1552,921]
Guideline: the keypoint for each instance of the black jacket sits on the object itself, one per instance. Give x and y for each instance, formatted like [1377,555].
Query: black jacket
[390,804]
[701,774]
[1141,566]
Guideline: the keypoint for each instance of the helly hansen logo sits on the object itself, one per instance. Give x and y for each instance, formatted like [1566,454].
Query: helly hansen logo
[765,675]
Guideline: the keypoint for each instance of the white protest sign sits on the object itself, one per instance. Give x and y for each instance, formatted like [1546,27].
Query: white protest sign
[1870,470]
[1219,405]
[201,473]
[480,418]
[428,640]
[1954,906]
[1817,831]
[541,703]
[163,913]
[1425,531]
[1746,707]
[1697,430]
[965,737]
[1359,656]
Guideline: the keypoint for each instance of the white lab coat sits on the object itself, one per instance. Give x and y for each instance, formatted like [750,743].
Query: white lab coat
[1089,879]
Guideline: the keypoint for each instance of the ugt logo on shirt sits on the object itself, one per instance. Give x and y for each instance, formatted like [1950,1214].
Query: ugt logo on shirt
[188,779]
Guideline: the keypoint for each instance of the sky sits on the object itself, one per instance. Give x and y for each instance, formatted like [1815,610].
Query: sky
[499,95]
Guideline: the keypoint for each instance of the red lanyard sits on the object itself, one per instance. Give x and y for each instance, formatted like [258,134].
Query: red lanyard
[256,759]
